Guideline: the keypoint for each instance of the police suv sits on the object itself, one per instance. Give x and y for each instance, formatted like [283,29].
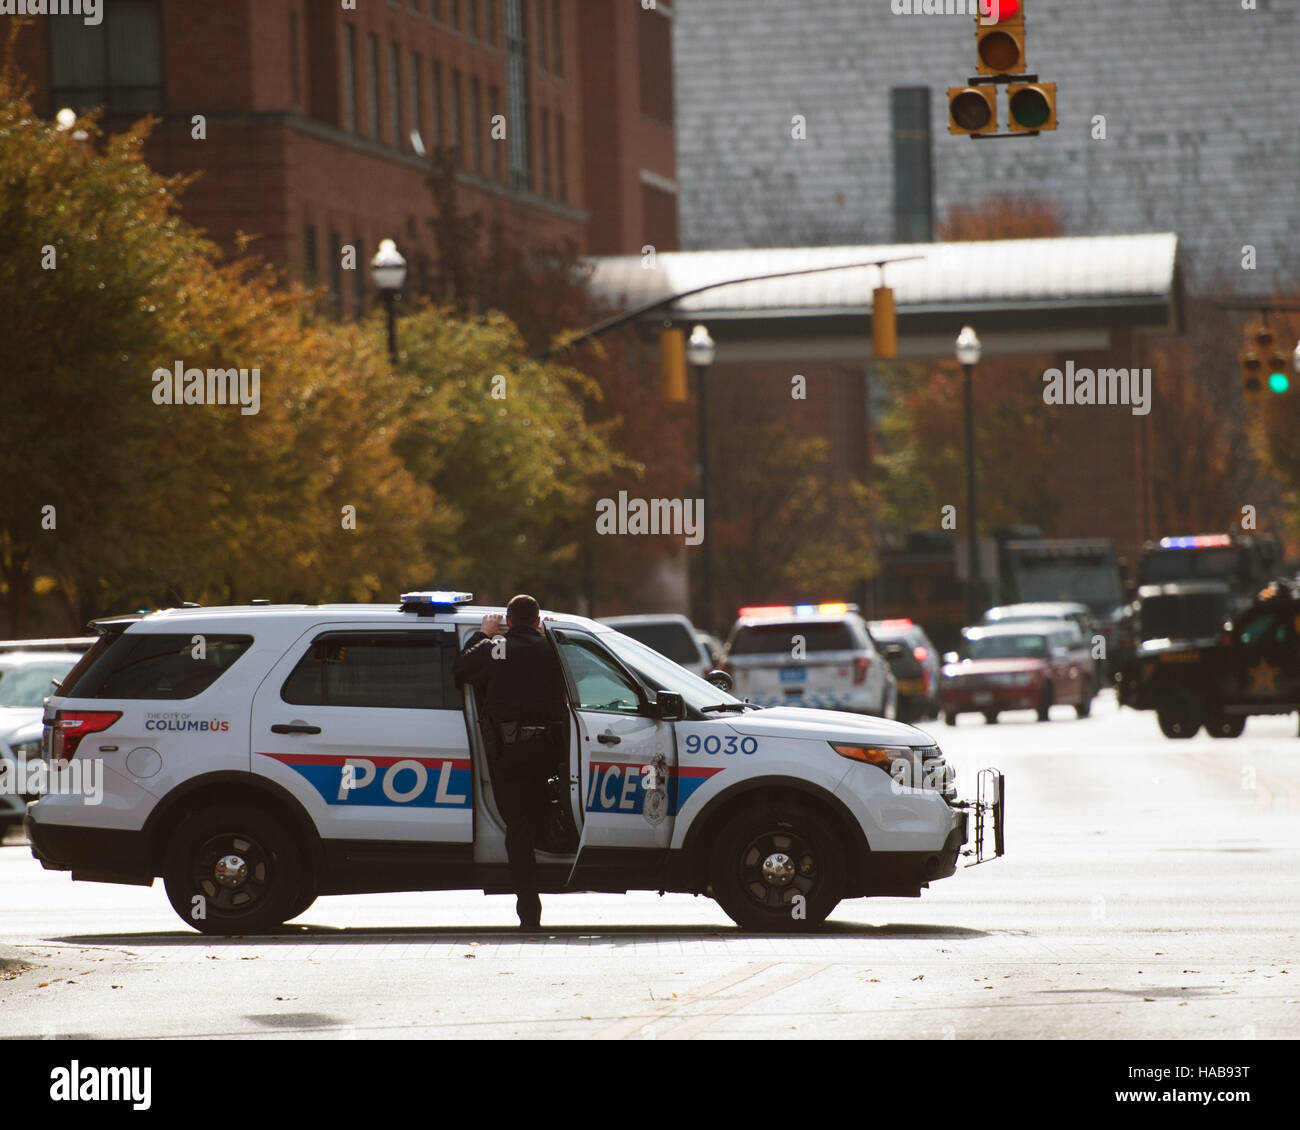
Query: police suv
[257,757]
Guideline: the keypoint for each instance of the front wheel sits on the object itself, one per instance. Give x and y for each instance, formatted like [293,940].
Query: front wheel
[991,717]
[1223,726]
[235,869]
[1178,720]
[777,867]
[1045,704]
[950,718]
[1084,707]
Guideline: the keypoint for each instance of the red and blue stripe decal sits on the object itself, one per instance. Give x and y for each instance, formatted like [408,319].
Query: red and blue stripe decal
[619,786]
[385,782]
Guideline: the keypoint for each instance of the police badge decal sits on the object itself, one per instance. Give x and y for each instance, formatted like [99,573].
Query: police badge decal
[655,779]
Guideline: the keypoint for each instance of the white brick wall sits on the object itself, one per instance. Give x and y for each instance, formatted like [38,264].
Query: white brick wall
[1201,98]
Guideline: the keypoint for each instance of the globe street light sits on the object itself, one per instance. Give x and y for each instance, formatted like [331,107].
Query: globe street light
[388,269]
[968,353]
[700,352]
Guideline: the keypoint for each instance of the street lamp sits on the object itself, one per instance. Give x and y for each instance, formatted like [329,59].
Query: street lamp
[388,269]
[700,352]
[968,353]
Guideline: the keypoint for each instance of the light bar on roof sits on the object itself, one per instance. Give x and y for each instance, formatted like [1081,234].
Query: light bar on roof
[440,597]
[1201,541]
[829,608]
[896,623]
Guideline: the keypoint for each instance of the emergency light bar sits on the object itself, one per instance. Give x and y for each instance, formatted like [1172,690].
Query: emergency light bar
[1201,541]
[830,608]
[438,599]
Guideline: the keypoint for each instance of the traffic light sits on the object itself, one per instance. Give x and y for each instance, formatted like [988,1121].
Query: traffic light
[672,364]
[1000,38]
[884,324]
[1031,106]
[1264,367]
[972,109]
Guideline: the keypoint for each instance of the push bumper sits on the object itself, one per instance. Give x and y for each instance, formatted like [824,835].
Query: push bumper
[989,812]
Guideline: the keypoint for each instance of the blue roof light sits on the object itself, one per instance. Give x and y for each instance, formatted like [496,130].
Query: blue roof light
[446,599]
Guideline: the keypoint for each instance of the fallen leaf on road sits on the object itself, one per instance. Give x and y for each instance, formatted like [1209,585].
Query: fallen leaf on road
[1148,998]
[115,986]
[469,955]
[248,959]
[43,985]
[919,977]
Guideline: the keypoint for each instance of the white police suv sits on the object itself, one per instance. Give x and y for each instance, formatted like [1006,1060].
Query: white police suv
[256,757]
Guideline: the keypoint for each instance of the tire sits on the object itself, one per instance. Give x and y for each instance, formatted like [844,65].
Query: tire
[273,879]
[1045,701]
[1225,726]
[991,717]
[949,718]
[769,853]
[1177,720]
[1084,708]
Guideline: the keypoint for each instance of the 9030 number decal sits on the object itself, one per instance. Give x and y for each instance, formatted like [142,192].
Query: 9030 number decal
[720,743]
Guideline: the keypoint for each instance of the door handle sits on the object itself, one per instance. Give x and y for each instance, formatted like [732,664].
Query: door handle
[608,739]
[294,728]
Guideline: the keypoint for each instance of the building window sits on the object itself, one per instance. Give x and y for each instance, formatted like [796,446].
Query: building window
[336,274]
[295,67]
[116,63]
[654,40]
[435,101]
[541,33]
[395,93]
[372,83]
[417,94]
[490,20]
[453,13]
[457,128]
[544,144]
[557,38]
[471,13]
[476,122]
[309,264]
[415,6]
[521,175]
[913,174]
[494,109]
[435,10]
[561,159]
[349,78]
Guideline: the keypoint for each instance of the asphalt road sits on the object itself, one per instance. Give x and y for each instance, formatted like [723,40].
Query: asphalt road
[1151,890]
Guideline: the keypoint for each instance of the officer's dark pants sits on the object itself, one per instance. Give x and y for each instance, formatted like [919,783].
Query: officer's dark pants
[519,778]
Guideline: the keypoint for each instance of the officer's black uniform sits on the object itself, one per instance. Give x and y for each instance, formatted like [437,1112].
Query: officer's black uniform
[522,698]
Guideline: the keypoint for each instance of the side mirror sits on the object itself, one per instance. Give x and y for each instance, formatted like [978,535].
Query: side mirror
[720,679]
[670,704]
[951,657]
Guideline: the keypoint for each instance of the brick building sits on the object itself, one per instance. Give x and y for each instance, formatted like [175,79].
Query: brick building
[318,117]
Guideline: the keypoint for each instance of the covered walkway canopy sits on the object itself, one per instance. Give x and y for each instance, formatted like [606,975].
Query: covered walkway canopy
[1021,295]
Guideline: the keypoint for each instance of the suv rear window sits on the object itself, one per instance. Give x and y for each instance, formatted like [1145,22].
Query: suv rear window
[672,640]
[761,639]
[157,665]
[403,670]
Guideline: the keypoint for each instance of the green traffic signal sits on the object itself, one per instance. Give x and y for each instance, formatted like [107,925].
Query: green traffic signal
[1278,382]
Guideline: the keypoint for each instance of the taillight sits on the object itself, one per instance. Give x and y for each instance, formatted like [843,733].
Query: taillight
[70,726]
[861,665]
[920,654]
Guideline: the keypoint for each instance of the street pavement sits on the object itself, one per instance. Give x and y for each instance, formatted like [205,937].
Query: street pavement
[1151,890]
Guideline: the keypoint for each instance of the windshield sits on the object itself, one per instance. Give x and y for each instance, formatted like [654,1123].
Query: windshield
[30,684]
[818,635]
[1006,647]
[1162,565]
[673,640]
[662,673]
[1094,582]
[1186,616]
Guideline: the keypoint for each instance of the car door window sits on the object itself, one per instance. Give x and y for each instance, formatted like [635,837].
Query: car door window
[600,684]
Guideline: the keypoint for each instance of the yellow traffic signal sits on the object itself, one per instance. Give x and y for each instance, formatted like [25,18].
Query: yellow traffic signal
[884,324]
[1031,106]
[672,364]
[1000,38]
[972,109]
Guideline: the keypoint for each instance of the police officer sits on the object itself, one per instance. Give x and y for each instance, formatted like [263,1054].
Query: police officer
[522,705]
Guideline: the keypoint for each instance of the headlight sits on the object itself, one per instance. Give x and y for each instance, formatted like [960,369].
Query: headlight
[923,768]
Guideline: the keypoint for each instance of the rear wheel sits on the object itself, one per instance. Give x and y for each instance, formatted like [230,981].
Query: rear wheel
[777,867]
[1178,718]
[950,717]
[1224,726]
[991,717]
[1084,708]
[235,869]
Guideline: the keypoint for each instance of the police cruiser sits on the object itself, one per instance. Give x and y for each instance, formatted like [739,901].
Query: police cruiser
[256,757]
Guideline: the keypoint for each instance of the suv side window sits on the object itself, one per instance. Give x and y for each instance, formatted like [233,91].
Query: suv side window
[398,669]
[155,665]
[601,685]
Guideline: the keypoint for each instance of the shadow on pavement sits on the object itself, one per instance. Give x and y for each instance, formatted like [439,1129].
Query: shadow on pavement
[306,934]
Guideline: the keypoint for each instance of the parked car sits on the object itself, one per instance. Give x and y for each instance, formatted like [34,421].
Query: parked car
[915,663]
[27,679]
[818,655]
[1031,666]
[669,634]
[1063,610]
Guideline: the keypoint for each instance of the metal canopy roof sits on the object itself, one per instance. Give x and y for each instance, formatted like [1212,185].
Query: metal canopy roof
[1020,294]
